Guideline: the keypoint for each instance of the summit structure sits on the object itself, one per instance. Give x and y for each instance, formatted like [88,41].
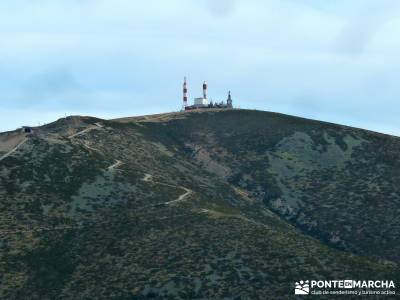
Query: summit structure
[203,102]
[185,93]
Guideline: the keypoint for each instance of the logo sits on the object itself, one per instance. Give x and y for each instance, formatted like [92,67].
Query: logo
[345,287]
[302,287]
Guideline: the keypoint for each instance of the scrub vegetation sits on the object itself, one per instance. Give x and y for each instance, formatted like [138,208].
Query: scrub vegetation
[219,204]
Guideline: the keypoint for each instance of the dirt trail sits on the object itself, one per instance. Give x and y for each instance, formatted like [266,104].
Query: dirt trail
[13,150]
[86,130]
[87,146]
[114,166]
[181,197]
[147,177]
[151,118]
[188,192]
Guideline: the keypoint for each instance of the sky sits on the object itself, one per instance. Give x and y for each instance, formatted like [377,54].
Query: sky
[333,60]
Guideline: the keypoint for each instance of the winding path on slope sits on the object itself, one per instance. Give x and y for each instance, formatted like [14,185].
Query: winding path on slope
[86,130]
[181,197]
[187,193]
[146,178]
[43,229]
[87,146]
[13,150]
[116,165]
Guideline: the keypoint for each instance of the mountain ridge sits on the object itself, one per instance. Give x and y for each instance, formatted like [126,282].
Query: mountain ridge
[250,195]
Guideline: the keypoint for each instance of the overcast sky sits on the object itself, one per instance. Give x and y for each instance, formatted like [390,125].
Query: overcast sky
[335,60]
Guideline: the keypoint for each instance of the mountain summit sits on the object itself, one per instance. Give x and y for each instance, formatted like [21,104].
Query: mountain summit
[216,204]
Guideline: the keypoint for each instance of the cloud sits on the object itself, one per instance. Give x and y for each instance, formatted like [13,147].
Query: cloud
[333,59]
[364,24]
[51,83]
[50,89]
[220,8]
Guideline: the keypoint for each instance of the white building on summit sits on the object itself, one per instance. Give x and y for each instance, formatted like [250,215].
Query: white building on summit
[202,102]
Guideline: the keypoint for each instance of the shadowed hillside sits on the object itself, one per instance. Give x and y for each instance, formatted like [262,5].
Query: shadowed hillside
[336,183]
[219,204]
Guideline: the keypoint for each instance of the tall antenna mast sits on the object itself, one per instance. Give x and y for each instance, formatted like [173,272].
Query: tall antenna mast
[185,93]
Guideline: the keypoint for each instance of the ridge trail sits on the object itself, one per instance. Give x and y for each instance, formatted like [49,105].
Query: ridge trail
[86,130]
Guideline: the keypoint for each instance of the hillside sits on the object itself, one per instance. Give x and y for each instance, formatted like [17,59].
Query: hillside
[231,204]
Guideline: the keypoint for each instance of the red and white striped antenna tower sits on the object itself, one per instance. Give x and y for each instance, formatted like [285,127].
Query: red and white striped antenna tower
[205,90]
[185,93]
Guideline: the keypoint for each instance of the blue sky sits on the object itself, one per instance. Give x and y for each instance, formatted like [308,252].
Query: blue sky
[331,60]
